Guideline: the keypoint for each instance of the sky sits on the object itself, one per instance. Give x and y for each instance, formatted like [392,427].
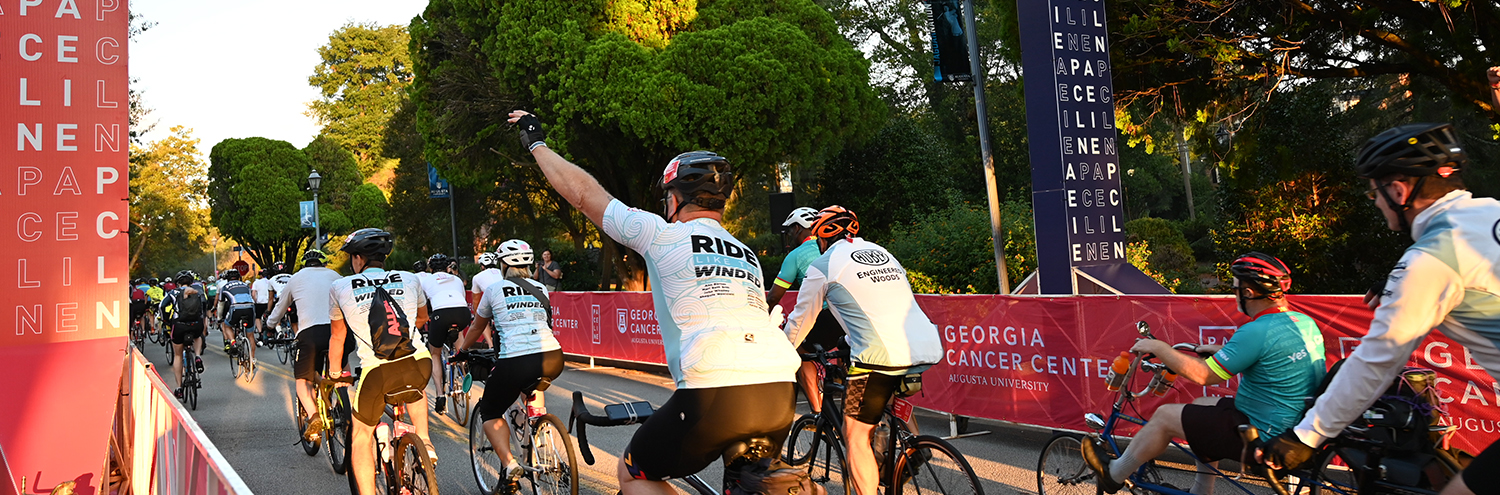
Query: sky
[237,68]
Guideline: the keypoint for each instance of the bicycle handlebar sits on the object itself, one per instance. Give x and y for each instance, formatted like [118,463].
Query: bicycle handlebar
[1251,436]
[628,413]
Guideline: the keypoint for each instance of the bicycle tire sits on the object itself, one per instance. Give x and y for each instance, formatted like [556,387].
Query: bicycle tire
[189,379]
[821,453]
[283,352]
[554,474]
[931,465]
[300,418]
[415,474]
[1061,471]
[337,438]
[487,466]
[166,346]
[804,432]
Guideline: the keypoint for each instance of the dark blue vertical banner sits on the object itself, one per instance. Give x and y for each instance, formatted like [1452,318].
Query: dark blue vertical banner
[1070,115]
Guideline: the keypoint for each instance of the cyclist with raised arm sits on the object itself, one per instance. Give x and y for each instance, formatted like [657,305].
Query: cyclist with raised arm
[450,315]
[353,315]
[890,338]
[1448,279]
[528,352]
[237,307]
[732,366]
[186,312]
[1278,356]
[309,289]
[825,331]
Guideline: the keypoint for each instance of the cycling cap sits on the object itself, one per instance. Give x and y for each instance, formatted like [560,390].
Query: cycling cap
[419,266]
[514,252]
[439,262]
[835,222]
[803,216]
[487,259]
[185,277]
[314,257]
[1415,150]
[1264,272]
[231,274]
[368,241]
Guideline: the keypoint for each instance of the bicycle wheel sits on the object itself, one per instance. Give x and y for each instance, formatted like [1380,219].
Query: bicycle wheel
[1061,469]
[166,346]
[189,380]
[487,466]
[820,452]
[1331,474]
[283,352]
[337,439]
[415,473]
[553,457]
[309,448]
[931,465]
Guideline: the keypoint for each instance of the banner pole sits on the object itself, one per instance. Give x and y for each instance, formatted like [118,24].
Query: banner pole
[976,68]
[453,221]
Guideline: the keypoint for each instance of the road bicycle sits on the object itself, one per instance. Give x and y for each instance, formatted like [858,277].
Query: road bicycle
[138,331]
[402,464]
[456,385]
[539,441]
[191,381]
[240,363]
[816,441]
[331,397]
[283,341]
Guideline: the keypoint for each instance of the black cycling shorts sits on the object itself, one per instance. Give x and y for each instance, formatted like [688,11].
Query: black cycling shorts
[185,331]
[446,324]
[867,394]
[696,425]
[312,351]
[260,310]
[825,331]
[388,379]
[239,318]
[1213,432]
[1484,470]
[515,376]
[137,309]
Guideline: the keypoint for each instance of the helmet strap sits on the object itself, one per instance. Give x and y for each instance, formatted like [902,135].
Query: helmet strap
[1403,207]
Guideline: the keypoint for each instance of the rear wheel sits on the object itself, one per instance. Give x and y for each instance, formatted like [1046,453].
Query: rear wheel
[337,440]
[189,380]
[487,466]
[309,448]
[415,473]
[821,453]
[932,466]
[554,458]
[1061,469]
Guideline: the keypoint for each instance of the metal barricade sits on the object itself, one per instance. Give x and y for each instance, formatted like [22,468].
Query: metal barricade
[157,447]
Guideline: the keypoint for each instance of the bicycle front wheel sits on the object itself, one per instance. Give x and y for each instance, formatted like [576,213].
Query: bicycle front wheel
[415,473]
[487,466]
[554,458]
[1061,469]
[309,448]
[821,453]
[283,352]
[931,465]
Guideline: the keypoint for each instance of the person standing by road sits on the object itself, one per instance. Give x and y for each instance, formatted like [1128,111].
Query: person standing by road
[732,366]
[548,272]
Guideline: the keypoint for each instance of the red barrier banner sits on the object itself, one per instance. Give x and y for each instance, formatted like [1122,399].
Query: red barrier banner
[63,171]
[1042,360]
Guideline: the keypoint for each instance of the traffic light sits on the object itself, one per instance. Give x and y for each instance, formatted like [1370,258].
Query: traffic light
[950,48]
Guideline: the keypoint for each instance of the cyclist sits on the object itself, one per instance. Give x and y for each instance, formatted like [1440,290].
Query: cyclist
[137,302]
[528,352]
[420,267]
[732,366]
[450,315]
[261,290]
[826,331]
[351,318]
[1448,279]
[211,288]
[186,311]
[154,295]
[309,289]
[891,341]
[1278,355]
[488,276]
[237,306]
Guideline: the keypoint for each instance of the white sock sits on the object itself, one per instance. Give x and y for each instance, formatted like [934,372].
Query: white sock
[1203,483]
[1121,468]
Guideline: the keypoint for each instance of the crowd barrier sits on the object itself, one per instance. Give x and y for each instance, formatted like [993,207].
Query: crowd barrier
[157,445]
[1041,360]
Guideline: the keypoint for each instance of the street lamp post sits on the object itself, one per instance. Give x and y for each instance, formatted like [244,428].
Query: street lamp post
[216,256]
[313,181]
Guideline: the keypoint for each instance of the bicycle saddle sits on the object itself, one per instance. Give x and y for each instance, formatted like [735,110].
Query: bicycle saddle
[541,384]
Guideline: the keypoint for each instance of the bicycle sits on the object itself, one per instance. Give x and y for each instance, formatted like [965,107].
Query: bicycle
[240,363]
[1061,468]
[817,440]
[138,331]
[191,382]
[535,435]
[283,342]
[456,385]
[402,465]
[334,412]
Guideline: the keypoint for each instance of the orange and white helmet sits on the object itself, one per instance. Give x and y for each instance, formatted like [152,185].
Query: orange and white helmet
[836,222]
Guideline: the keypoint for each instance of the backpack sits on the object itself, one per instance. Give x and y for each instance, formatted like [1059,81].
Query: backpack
[390,334]
[189,304]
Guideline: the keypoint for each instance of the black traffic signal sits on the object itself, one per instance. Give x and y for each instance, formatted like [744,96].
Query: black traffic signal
[950,48]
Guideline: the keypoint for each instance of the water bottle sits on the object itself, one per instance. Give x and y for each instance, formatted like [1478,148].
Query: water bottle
[383,441]
[879,438]
[1163,383]
[1117,372]
[535,406]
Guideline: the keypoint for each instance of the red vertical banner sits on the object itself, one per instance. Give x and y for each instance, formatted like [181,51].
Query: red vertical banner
[64,144]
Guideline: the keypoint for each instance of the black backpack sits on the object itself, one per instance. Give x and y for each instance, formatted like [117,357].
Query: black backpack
[390,334]
[189,304]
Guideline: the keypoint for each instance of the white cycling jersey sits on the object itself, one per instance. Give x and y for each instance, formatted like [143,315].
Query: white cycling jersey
[261,290]
[279,281]
[444,290]
[309,289]
[350,301]
[709,298]
[1448,279]
[484,279]
[520,319]
[868,293]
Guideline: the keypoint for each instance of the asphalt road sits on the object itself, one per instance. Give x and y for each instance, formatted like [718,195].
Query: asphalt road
[251,424]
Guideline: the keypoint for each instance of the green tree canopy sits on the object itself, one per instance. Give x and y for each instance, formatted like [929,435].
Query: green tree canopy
[361,80]
[168,182]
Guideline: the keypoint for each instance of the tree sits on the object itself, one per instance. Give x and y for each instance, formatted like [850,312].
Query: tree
[623,87]
[167,200]
[361,80]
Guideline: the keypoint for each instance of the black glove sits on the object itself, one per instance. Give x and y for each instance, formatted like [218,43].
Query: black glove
[459,357]
[532,134]
[1287,451]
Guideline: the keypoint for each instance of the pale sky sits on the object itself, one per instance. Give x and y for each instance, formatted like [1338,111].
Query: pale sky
[236,68]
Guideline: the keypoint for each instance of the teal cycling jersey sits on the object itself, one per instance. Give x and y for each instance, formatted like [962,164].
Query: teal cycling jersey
[1279,357]
[794,267]
[710,301]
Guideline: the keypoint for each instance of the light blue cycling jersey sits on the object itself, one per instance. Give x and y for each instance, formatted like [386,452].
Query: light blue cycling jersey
[1279,357]
[794,267]
[710,301]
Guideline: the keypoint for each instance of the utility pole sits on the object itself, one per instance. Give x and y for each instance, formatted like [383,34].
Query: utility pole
[1187,179]
[453,223]
[976,68]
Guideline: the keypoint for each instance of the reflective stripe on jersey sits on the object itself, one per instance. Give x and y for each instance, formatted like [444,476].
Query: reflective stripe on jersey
[520,319]
[1448,280]
[794,267]
[867,290]
[710,300]
[352,304]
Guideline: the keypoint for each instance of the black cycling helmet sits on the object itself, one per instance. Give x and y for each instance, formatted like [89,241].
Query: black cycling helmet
[1267,274]
[185,277]
[155,281]
[419,266]
[368,241]
[231,274]
[439,262]
[314,257]
[278,267]
[1414,150]
[696,172]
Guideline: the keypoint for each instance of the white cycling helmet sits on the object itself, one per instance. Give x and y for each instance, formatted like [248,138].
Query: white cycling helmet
[514,252]
[803,216]
[487,259]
